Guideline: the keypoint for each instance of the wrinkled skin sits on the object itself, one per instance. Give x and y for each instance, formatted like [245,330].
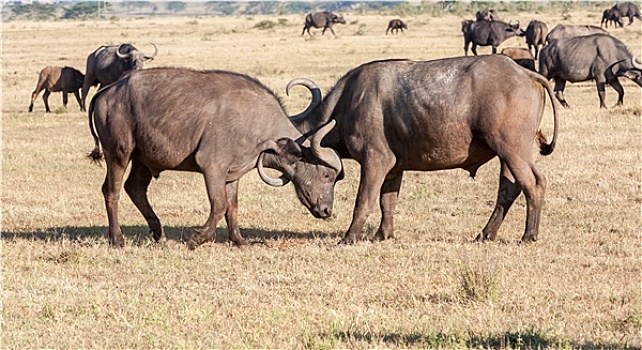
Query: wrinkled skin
[228,126]
[395,116]
[565,31]
[323,20]
[598,57]
[56,79]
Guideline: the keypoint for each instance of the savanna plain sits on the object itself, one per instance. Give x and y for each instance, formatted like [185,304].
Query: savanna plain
[63,286]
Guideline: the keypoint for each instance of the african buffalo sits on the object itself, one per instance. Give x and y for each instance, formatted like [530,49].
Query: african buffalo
[598,57]
[395,25]
[108,63]
[485,33]
[564,31]
[55,79]
[628,9]
[612,15]
[535,35]
[158,121]
[522,56]
[398,115]
[323,20]
[487,15]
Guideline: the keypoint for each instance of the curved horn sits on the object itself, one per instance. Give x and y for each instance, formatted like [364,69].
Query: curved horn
[314,90]
[326,154]
[635,64]
[123,56]
[155,52]
[278,182]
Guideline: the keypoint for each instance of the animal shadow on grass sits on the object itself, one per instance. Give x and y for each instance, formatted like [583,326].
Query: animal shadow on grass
[140,235]
[508,340]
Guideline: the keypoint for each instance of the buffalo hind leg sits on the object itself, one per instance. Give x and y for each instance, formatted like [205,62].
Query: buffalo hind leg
[232,213]
[508,191]
[215,184]
[111,191]
[136,187]
[388,202]
[45,98]
[615,84]
[560,84]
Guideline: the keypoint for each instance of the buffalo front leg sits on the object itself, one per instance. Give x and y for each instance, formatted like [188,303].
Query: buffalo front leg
[232,212]
[111,191]
[215,184]
[388,203]
[77,95]
[136,187]
[65,99]
[508,191]
[373,173]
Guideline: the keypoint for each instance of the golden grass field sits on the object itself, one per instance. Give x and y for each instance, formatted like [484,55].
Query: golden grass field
[578,287]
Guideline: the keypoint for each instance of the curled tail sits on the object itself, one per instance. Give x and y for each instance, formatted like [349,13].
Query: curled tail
[546,148]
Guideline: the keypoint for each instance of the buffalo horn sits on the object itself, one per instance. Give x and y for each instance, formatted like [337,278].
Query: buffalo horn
[276,182]
[123,56]
[314,90]
[327,155]
[155,52]
[635,64]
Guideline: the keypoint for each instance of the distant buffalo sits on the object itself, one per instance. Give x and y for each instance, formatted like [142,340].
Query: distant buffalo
[487,33]
[613,16]
[535,35]
[522,56]
[487,15]
[629,10]
[395,25]
[323,20]
[56,79]
[108,63]
[598,57]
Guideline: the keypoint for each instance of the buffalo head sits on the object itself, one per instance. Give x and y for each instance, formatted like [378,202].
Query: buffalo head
[134,58]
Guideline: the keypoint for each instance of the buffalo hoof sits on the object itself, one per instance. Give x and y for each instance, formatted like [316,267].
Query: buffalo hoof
[529,239]
[380,236]
[484,238]
[348,239]
[117,242]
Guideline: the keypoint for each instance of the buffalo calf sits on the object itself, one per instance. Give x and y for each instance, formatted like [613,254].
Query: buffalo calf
[395,25]
[56,79]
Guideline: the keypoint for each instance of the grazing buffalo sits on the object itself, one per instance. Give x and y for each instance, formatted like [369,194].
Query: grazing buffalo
[628,9]
[397,115]
[323,20]
[563,31]
[535,35]
[108,63]
[55,79]
[485,33]
[487,15]
[612,15]
[522,56]
[598,57]
[156,120]
[395,25]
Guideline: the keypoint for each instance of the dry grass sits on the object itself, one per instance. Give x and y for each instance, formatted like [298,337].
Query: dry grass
[63,287]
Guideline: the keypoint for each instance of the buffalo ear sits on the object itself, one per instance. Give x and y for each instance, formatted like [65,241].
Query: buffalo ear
[288,146]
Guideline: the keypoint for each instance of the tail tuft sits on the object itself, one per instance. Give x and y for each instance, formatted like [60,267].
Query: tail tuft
[544,147]
[96,156]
